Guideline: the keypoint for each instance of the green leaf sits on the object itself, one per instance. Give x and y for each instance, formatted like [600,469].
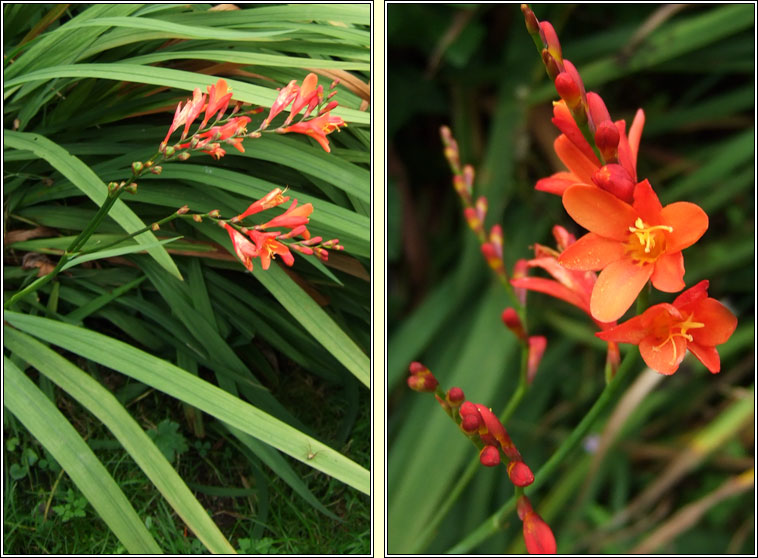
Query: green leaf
[46,423]
[87,181]
[182,385]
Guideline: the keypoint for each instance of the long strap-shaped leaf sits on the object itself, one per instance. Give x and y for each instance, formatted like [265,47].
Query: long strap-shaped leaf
[88,182]
[179,383]
[317,322]
[50,427]
[101,403]
[168,77]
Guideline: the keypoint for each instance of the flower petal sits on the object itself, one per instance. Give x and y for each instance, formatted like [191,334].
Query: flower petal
[552,288]
[616,289]
[591,252]
[556,183]
[664,358]
[565,123]
[574,159]
[668,274]
[635,133]
[689,222]
[709,356]
[647,204]
[599,211]
[692,295]
[631,331]
[719,322]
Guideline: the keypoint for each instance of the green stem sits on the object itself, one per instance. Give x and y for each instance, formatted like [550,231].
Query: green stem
[80,240]
[493,523]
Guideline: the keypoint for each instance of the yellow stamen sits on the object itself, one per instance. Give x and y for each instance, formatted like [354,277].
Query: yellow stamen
[683,327]
[644,233]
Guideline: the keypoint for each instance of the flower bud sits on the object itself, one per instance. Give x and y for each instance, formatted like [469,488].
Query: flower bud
[156,169]
[155,227]
[214,213]
[470,423]
[615,179]
[568,89]
[532,24]
[197,219]
[422,382]
[607,140]
[137,167]
[490,253]
[519,272]
[170,151]
[489,456]
[132,188]
[182,210]
[537,345]
[520,474]
[455,396]
[563,238]
[183,156]
[513,322]
[550,40]
[598,112]
[551,66]
[472,218]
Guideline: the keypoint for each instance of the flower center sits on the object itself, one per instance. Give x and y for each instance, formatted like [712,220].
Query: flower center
[682,327]
[646,244]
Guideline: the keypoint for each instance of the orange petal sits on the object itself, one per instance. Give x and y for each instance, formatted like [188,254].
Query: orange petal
[557,183]
[616,289]
[689,223]
[709,356]
[646,203]
[631,331]
[719,322]
[591,252]
[668,273]
[635,133]
[664,358]
[552,288]
[692,295]
[599,211]
[564,121]
[574,159]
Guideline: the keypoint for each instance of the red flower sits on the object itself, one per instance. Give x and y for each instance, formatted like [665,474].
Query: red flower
[286,96]
[244,249]
[317,128]
[664,332]
[630,244]
[268,248]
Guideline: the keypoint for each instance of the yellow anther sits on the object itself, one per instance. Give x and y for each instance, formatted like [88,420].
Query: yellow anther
[683,327]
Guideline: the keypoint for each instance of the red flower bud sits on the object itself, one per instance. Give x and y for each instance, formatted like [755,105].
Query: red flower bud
[455,396]
[422,382]
[489,456]
[513,322]
[598,113]
[417,367]
[537,345]
[532,24]
[607,140]
[551,65]
[470,423]
[550,39]
[520,473]
[538,536]
[615,179]
[568,89]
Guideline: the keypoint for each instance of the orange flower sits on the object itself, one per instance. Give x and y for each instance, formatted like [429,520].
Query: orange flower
[630,244]
[317,128]
[293,217]
[244,249]
[268,248]
[272,199]
[218,100]
[664,332]
[186,115]
[286,96]
[309,95]
[582,163]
